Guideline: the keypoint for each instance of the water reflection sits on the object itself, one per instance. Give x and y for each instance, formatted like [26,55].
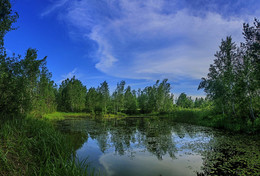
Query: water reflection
[152,146]
[159,146]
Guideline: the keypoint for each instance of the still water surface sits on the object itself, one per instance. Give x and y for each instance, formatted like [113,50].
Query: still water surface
[147,146]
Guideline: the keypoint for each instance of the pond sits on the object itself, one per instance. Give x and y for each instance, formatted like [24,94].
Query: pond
[160,147]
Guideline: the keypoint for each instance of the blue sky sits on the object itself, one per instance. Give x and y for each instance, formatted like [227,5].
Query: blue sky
[132,40]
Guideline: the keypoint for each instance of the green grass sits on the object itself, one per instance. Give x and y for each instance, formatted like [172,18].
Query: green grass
[63,115]
[33,147]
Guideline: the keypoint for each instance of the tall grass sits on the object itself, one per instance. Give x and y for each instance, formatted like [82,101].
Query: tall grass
[33,147]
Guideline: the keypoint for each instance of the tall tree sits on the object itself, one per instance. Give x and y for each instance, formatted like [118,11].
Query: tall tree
[220,82]
[249,68]
[46,91]
[233,81]
[118,97]
[103,90]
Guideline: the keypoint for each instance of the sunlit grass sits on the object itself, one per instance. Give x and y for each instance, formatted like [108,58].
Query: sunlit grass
[63,115]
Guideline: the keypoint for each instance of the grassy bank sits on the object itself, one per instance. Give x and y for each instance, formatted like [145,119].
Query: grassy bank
[206,117]
[63,115]
[196,116]
[33,147]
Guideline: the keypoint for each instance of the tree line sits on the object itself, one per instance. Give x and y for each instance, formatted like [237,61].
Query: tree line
[232,84]
[73,96]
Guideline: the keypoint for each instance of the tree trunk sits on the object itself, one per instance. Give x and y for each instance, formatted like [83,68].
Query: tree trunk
[251,109]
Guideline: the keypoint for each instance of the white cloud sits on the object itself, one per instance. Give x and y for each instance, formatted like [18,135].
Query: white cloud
[139,40]
[151,39]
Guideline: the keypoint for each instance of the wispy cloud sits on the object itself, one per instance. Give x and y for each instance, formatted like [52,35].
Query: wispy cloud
[70,75]
[156,39]
[55,5]
[141,40]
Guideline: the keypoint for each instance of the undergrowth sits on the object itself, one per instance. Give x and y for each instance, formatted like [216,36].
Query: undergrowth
[207,117]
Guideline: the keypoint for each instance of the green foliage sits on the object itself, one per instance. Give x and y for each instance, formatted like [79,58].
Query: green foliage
[25,85]
[34,147]
[156,98]
[62,115]
[44,100]
[118,97]
[103,96]
[233,80]
[207,116]
[7,18]
[130,103]
[92,101]
[72,95]
[184,101]
[200,102]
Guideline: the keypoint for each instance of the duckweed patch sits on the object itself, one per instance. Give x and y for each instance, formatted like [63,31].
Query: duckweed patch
[229,155]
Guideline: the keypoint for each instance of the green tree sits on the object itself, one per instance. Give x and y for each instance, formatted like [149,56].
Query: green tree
[220,82]
[164,98]
[45,100]
[156,98]
[233,81]
[118,97]
[249,71]
[198,103]
[184,101]
[130,103]
[25,84]
[19,81]
[92,100]
[72,95]
[104,97]
[7,18]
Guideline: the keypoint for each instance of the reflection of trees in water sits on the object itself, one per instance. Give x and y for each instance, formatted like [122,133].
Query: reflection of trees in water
[223,154]
[74,131]
[77,140]
[149,134]
[153,135]
[157,138]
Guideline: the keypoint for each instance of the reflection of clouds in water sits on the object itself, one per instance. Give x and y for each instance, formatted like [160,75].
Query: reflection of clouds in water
[141,146]
[191,144]
[144,164]
[154,146]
